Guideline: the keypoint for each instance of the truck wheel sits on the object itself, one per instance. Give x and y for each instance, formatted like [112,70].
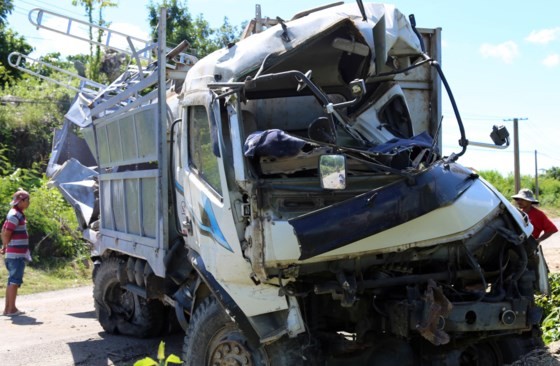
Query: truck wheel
[516,346]
[502,351]
[482,354]
[120,311]
[212,338]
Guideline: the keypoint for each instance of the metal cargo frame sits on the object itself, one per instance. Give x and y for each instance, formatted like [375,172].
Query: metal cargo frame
[133,181]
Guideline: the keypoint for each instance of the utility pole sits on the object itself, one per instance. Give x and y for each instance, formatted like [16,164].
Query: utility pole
[516,174]
[536,177]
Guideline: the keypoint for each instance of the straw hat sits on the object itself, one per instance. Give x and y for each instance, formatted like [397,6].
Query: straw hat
[525,194]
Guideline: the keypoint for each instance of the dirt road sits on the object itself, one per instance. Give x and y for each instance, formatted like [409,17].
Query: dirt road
[551,249]
[59,329]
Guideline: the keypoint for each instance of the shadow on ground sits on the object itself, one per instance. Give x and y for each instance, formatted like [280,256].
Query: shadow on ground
[122,350]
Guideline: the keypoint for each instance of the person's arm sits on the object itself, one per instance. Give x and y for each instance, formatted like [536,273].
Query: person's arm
[547,226]
[6,238]
[544,236]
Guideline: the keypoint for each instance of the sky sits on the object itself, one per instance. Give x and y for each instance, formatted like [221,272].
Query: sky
[500,57]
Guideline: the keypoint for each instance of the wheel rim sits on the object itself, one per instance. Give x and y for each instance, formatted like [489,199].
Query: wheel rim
[228,349]
[121,302]
[230,353]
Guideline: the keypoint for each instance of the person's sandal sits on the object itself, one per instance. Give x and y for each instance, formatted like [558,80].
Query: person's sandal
[15,313]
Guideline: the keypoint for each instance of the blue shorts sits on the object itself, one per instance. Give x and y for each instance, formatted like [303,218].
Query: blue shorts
[15,268]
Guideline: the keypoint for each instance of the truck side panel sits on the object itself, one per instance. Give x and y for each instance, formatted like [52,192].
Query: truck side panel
[129,182]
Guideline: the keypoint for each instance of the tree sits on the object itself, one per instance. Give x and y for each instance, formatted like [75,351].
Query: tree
[90,6]
[10,41]
[6,8]
[181,26]
[553,172]
[227,33]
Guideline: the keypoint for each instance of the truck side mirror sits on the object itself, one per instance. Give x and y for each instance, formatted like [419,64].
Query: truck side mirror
[332,171]
[499,135]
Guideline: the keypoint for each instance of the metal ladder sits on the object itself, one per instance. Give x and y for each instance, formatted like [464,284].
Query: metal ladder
[20,61]
[122,94]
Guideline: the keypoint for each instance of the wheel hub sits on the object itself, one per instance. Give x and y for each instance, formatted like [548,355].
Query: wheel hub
[127,304]
[230,353]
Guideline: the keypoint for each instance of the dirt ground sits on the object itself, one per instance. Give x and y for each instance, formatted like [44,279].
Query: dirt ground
[59,329]
[552,256]
[551,250]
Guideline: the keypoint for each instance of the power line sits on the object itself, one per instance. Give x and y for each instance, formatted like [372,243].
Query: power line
[548,156]
[474,117]
[542,140]
[501,151]
[48,6]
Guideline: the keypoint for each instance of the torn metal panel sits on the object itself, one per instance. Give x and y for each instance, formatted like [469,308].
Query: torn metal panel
[79,112]
[67,145]
[78,185]
[378,210]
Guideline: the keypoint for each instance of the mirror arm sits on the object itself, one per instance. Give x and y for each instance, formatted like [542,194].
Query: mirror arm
[490,146]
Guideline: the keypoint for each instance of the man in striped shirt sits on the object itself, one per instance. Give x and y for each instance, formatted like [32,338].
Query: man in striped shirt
[15,247]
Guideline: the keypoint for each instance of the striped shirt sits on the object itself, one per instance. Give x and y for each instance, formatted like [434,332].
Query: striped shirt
[17,224]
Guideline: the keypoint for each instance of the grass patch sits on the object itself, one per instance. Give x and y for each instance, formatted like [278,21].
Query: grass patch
[49,276]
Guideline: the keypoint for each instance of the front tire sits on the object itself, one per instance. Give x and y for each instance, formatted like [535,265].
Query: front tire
[120,311]
[213,338]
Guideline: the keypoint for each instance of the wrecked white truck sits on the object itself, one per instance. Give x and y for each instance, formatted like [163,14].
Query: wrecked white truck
[289,203]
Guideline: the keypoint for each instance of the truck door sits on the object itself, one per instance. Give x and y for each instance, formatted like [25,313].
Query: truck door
[206,192]
[215,238]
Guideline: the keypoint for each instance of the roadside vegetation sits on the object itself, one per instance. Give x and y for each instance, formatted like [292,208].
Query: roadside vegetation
[551,306]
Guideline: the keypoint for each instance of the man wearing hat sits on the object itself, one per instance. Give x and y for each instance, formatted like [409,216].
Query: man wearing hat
[15,247]
[541,223]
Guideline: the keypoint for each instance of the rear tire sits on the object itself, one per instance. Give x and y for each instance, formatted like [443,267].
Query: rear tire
[122,312]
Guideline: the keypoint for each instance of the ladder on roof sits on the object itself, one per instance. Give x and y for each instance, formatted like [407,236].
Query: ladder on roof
[67,79]
[125,92]
[138,48]
[79,29]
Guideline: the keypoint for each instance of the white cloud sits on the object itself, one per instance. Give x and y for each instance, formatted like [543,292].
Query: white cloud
[506,51]
[544,36]
[552,60]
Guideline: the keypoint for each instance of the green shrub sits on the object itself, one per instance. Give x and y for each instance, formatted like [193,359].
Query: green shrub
[551,308]
[52,224]
[503,184]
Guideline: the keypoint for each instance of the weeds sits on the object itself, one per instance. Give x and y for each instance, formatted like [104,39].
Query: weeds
[161,360]
[551,307]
